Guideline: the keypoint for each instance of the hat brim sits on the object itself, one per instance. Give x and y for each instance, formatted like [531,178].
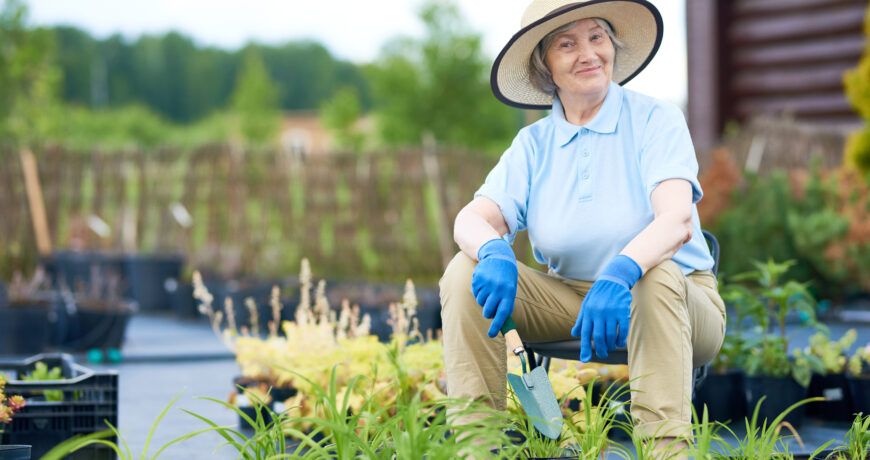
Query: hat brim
[637,23]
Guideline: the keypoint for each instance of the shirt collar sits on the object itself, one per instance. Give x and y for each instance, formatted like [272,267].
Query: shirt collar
[603,122]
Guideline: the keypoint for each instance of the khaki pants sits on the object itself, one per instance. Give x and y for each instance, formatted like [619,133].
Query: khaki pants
[677,323]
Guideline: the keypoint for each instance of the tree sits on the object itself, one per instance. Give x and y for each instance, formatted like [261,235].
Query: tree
[439,85]
[29,80]
[255,101]
[339,115]
[857,84]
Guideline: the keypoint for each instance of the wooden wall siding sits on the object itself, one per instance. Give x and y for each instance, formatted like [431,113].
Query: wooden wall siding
[254,213]
[777,58]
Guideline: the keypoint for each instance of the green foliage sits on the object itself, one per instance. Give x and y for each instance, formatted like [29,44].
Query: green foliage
[122,450]
[856,442]
[760,205]
[339,115]
[832,353]
[183,82]
[439,85]
[41,373]
[769,220]
[767,300]
[764,441]
[29,80]
[856,82]
[858,361]
[254,101]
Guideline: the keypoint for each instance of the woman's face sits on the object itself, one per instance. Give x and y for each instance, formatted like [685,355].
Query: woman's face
[581,59]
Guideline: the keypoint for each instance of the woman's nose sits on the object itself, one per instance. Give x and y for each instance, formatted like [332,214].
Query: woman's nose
[585,53]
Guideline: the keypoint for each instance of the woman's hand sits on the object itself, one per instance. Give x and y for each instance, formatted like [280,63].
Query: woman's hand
[606,310]
[494,282]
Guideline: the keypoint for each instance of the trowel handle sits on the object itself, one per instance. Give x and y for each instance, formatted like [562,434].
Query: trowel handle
[509,330]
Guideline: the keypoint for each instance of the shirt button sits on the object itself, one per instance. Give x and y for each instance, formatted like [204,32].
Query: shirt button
[585,175]
[586,154]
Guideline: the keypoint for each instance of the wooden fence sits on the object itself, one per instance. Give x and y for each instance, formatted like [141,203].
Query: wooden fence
[383,216]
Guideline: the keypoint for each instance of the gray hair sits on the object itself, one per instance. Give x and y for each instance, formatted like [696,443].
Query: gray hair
[540,75]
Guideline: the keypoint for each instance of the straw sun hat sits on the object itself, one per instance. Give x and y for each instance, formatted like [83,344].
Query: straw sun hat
[637,23]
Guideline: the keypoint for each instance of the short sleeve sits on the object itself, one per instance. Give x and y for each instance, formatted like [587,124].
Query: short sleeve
[667,151]
[508,184]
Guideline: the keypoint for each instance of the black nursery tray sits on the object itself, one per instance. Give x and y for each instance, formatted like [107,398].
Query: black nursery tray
[90,400]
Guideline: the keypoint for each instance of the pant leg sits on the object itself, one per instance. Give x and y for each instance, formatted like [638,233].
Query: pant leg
[677,323]
[476,365]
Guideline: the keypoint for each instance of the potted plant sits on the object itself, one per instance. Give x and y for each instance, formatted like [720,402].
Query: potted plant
[770,370]
[858,379]
[9,405]
[96,314]
[147,275]
[32,308]
[723,391]
[832,384]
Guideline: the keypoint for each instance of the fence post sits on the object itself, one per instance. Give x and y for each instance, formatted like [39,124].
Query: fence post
[37,205]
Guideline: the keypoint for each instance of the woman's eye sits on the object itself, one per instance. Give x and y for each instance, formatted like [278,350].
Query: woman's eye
[596,37]
[565,44]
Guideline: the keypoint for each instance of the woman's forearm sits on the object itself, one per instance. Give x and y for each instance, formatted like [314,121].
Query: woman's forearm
[660,240]
[471,231]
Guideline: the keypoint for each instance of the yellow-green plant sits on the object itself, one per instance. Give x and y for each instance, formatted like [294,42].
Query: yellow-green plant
[858,360]
[856,82]
[41,372]
[831,353]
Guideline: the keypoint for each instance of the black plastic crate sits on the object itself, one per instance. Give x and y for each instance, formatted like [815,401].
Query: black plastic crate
[90,399]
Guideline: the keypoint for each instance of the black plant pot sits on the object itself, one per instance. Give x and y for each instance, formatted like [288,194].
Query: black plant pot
[278,393]
[724,395]
[94,324]
[74,269]
[615,397]
[15,452]
[28,327]
[251,412]
[859,392]
[779,393]
[181,299]
[147,276]
[835,390]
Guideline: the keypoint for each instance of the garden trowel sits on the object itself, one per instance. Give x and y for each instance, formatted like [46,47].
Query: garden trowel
[533,388]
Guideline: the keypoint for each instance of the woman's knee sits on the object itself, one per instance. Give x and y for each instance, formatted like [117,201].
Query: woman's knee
[666,275]
[457,278]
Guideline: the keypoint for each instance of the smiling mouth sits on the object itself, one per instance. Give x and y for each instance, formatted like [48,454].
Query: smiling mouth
[589,70]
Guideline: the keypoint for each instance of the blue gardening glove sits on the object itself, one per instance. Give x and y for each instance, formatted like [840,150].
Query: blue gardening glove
[494,282]
[606,309]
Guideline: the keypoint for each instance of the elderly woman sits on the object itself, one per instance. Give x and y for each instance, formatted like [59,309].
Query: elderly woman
[606,186]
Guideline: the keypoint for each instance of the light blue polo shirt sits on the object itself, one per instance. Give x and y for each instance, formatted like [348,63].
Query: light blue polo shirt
[584,192]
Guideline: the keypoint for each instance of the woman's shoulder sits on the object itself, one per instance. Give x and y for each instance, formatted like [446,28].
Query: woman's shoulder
[640,103]
[534,134]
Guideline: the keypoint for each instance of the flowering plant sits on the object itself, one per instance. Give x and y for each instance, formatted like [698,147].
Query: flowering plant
[9,405]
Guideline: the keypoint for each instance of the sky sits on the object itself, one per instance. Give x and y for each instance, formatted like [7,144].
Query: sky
[351,30]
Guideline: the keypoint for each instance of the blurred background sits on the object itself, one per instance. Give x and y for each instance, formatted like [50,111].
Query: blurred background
[143,141]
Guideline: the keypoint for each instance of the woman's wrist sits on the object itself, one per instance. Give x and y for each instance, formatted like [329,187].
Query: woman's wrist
[623,270]
[498,248]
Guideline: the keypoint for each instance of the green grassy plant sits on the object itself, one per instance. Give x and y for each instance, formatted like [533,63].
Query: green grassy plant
[856,442]
[122,450]
[590,426]
[765,440]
